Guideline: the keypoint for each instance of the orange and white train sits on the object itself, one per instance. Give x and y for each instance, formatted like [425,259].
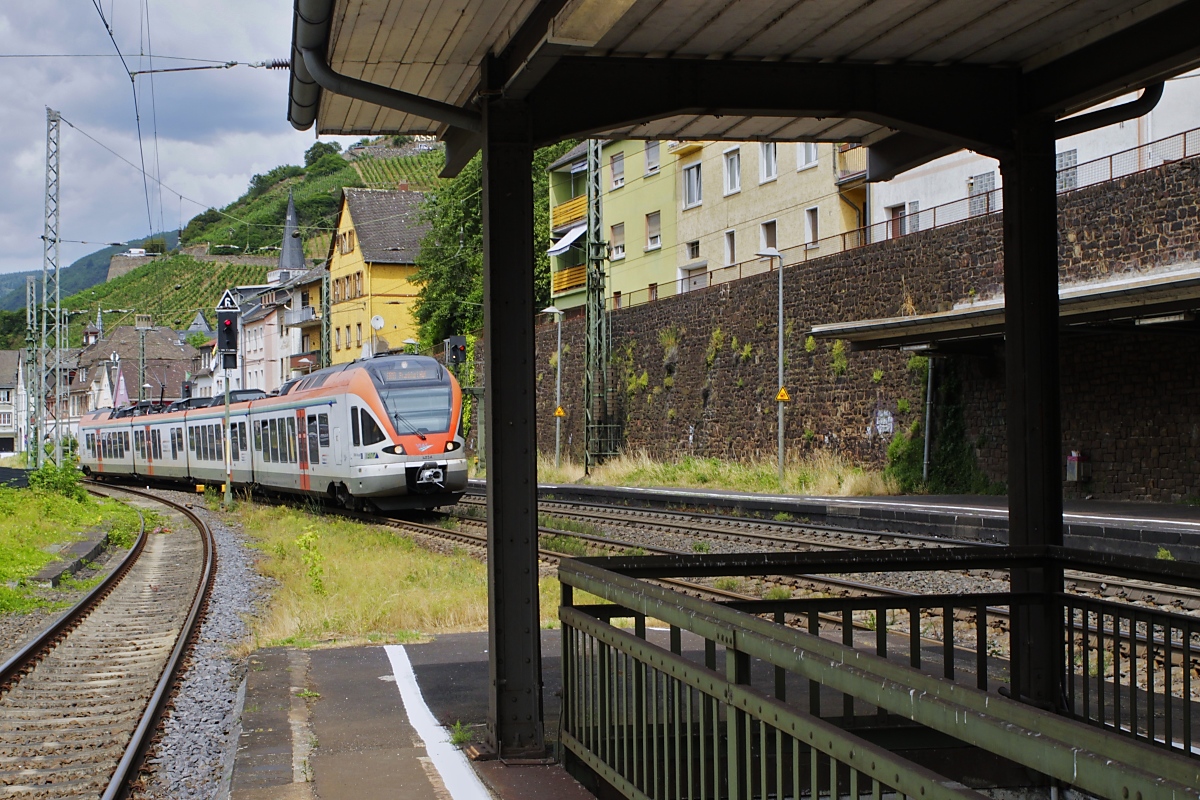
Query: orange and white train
[380,433]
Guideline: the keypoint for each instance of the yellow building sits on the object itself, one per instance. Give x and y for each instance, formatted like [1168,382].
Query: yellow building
[638,213]
[305,314]
[372,262]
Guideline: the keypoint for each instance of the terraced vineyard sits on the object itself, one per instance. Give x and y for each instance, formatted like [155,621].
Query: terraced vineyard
[171,289]
[419,171]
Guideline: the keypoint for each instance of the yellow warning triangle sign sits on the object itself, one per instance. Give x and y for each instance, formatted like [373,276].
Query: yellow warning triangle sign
[783,396]
[558,412]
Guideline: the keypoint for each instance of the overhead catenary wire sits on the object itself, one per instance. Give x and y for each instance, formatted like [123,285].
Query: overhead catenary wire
[136,113]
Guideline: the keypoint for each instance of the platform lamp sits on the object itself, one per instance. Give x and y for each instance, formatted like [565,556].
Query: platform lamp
[412,345]
[773,253]
[557,388]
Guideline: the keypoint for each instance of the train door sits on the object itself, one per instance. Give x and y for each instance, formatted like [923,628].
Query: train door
[302,448]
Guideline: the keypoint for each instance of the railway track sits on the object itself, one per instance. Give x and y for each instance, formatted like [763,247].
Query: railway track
[81,701]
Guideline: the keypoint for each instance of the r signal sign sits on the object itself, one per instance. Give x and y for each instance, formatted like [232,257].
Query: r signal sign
[783,396]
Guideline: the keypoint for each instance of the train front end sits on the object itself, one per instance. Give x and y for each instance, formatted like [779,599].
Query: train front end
[422,403]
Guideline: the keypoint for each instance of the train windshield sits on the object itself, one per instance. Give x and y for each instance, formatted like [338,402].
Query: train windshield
[416,392]
[417,410]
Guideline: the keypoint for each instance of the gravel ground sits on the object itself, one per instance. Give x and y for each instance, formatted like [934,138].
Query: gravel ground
[199,735]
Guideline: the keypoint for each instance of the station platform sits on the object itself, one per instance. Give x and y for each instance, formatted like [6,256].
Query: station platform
[370,722]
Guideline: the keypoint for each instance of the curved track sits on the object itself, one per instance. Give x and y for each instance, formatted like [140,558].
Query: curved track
[82,700]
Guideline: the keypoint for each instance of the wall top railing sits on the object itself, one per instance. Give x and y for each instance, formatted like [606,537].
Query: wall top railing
[1107,168]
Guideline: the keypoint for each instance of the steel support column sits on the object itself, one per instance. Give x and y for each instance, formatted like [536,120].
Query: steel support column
[1034,428]
[515,665]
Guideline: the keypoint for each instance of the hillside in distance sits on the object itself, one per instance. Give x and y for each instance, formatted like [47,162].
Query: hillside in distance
[83,273]
[171,289]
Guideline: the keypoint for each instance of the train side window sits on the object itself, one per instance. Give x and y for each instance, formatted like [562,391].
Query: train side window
[323,430]
[213,443]
[234,453]
[122,443]
[202,443]
[257,426]
[273,436]
[371,434]
[125,438]
[354,424]
[192,439]
[241,428]
[291,439]
[174,445]
[156,443]
[314,451]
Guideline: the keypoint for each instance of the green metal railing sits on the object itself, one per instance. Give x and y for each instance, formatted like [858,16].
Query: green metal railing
[659,722]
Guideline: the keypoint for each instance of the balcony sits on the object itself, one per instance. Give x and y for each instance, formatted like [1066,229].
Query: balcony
[850,162]
[568,213]
[295,317]
[567,280]
[678,148]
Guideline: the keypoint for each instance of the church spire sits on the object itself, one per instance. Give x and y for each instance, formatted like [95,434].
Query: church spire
[291,255]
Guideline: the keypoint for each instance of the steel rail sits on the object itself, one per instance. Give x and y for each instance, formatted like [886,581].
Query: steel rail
[130,763]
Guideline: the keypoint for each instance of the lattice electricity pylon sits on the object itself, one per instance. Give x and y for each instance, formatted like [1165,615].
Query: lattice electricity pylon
[33,398]
[50,357]
[597,435]
[326,357]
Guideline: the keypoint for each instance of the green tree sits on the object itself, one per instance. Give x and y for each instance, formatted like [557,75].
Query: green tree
[325,165]
[198,339]
[450,265]
[156,245]
[313,154]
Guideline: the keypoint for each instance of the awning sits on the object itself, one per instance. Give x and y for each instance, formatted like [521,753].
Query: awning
[560,247]
[1160,296]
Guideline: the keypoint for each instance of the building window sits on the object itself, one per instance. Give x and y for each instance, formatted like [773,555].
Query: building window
[651,157]
[616,300]
[358,284]
[766,235]
[912,223]
[6,394]
[653,230]
[767,158]
[693,250]
[979,193]
[806,155]
[1067,175]
[733,171]
[347,336]
[692,189]
[618,240]
[811,226]
[652,292]
[618,170]
[304,302]
[730,248]
[337,338]
[358,333]
[346,242]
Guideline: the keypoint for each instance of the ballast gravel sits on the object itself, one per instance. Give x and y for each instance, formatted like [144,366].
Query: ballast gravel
[195,749]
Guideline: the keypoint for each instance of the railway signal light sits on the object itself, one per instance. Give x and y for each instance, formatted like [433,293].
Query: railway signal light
[456,350]
[227,331]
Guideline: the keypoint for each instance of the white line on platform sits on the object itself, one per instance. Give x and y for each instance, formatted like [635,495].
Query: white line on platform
[457,774]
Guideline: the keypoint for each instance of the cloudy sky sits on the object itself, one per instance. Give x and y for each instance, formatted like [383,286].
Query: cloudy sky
[215,128]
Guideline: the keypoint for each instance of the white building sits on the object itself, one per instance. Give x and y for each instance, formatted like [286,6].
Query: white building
[966,184]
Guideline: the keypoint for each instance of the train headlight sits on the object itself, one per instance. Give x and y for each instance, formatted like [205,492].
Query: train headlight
[452,445]
[394,449]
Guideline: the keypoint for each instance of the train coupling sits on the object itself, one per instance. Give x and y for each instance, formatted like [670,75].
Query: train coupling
[431,474]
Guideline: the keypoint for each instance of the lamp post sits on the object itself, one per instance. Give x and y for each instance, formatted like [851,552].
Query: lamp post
[307,362]
[773,253]
[412,345]
[557,388]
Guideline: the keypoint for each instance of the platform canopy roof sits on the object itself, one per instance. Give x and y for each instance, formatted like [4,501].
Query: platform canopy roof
[1165,298]
[950,72]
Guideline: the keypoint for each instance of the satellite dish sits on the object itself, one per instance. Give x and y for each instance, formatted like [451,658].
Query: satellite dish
[377,322]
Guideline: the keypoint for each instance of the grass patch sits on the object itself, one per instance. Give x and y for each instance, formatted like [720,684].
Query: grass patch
[567,545]
[344,581]
[777,593]
[727,584]
[460,735]
[36,522]
[820,473]
[567,524]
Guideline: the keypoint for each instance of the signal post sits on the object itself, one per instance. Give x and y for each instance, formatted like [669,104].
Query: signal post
[227,345]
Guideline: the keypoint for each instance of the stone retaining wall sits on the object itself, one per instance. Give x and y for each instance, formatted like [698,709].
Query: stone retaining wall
[1130,400]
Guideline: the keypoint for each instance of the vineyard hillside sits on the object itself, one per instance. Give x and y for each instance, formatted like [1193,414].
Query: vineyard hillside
[171,289]
[418,172]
